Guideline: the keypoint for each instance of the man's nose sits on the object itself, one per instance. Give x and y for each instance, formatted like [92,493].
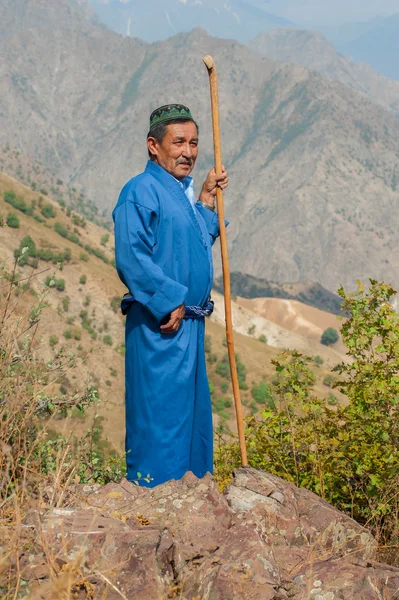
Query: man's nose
[187,151]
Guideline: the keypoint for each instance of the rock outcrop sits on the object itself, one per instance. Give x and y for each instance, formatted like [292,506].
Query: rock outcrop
[263,538]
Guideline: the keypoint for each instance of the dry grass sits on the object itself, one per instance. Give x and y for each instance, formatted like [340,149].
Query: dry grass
[38,463]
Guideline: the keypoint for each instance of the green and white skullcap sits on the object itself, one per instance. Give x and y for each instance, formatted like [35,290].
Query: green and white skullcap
[170,112]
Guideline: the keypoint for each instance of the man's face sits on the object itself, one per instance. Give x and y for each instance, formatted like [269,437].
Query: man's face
[178,150]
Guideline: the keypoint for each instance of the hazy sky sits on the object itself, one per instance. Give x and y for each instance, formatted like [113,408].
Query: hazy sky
[333,11]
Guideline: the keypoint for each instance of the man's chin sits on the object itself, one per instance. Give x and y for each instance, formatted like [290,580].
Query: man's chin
[183,171]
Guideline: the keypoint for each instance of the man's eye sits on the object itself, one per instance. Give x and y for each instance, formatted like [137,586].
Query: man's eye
[195,144]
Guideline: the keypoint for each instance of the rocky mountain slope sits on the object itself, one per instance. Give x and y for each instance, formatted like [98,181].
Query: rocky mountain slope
[312,50]
[313,165]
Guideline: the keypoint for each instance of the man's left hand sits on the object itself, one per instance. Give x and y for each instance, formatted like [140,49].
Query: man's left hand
[174,321]
[211,183]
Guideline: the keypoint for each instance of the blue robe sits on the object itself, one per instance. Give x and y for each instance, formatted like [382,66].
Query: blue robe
[164,257]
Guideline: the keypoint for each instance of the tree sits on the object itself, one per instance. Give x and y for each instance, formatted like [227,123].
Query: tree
[330,336]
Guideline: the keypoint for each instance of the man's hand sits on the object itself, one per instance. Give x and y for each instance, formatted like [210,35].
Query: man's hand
[211,183]
[175,318]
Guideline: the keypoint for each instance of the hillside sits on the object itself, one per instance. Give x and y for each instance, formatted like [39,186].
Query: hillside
[312,50]
[82,316]
[313,165]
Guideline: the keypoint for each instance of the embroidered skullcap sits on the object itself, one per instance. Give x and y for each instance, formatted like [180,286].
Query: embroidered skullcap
[170,112]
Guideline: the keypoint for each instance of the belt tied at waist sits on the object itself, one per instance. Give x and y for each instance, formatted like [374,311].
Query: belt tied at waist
[190,312]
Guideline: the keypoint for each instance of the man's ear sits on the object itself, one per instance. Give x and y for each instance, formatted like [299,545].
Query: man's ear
[152,146]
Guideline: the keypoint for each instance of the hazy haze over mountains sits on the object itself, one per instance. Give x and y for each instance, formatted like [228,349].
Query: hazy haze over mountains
[313,164]
[158,19]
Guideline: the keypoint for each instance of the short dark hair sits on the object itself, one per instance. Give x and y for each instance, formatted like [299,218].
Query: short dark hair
[159,131]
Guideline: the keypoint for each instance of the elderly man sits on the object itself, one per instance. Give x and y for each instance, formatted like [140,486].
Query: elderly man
[163,240]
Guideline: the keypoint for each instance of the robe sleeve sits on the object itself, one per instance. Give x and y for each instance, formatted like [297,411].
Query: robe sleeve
[211,221]
[135,238]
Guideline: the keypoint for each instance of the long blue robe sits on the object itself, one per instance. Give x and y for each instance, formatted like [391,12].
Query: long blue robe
[164,257]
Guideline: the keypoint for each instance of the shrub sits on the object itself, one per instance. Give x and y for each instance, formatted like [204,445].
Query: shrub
[107,339]
[224,387]
[328,380]
[48,211]
[262,338]
[262,395]
[207,344]
[212,358]
[53,340]
[61,230]
[116,303]
[251,330]
[65,303]
[330,336]
[84,257]
[83,279]
[12,220]
[104,239]
[18,202]
[223,367]
[60,285]
[349,455]
[67,334]
[318,360]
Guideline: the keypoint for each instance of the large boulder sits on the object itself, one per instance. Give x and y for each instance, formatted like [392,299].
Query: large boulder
[263,538]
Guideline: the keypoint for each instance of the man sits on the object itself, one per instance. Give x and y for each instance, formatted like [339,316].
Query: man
[163,240]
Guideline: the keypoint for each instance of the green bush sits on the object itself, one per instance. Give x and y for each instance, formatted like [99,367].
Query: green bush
[212,358]
[84,257]
[262,338]
[348,455]
[318,360]
[83,279]
[104,239]
[60,285]
[12,220]
[330,336]
[251,330]
[48,211]
[329,380]
[262,395]
[107,339]
[207,344]
[67,334]
[224,386]
[53,340]
[116,303]
[223,367]
[65,303]
[61,230]
[17,202]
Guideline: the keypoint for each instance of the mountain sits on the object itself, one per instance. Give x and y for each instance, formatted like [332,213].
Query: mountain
[20,15]
[378,46]
[313,165]
[313,51]
[159,19]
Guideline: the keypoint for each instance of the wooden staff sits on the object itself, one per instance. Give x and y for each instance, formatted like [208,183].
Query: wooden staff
[210,65]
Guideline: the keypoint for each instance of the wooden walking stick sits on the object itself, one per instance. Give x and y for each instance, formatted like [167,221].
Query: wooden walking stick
[210,65]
